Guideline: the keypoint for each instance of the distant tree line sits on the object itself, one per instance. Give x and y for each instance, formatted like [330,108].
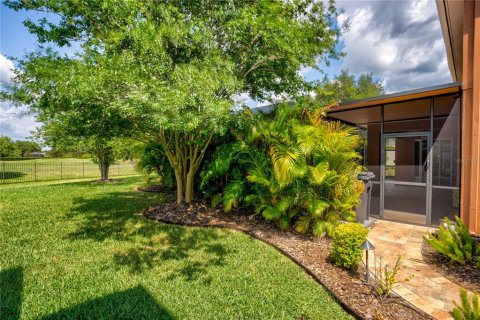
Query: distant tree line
[17,149]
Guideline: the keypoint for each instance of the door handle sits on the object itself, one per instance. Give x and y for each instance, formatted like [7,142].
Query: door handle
[425,166]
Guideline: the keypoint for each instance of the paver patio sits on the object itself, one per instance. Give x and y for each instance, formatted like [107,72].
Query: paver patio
[428,290]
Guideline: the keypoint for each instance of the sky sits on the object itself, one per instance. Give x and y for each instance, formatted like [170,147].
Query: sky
[400,42]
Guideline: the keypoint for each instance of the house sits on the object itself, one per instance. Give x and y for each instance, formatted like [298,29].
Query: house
[423,145]
[38,154]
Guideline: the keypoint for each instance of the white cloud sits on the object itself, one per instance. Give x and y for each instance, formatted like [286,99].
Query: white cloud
[15,122]
[304,71]
[6,69]
[399,41]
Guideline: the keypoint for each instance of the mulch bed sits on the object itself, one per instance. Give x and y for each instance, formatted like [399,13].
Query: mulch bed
[157,188]
[467,276]
[312,254]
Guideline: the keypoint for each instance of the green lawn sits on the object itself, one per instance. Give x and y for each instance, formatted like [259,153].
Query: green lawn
[38,160]
[45,169]
[82,250]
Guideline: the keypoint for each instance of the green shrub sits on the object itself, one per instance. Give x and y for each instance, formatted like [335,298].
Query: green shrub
[153,162]
[291,165]
[454,242]
[469,308]
[347,239]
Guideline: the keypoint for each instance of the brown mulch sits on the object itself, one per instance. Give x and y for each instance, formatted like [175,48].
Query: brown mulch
[467,276]
[157,188]
[310,253]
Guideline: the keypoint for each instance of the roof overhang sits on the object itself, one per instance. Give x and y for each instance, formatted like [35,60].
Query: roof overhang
[355,117]
[450,13]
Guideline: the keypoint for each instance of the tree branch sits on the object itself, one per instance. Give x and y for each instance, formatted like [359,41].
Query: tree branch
[258,64]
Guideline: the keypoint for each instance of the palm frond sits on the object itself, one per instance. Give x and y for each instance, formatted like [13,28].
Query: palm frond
[318,173]
[233,195]
[303,224]
[271,213]
[307,138]
[283,159]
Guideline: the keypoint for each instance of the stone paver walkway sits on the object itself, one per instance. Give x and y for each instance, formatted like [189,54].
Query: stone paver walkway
[427,290]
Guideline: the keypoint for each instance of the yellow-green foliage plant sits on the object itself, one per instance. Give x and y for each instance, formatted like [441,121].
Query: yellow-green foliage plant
[469,309]
[454,242]
[347,238]
[386,277]
[292,166]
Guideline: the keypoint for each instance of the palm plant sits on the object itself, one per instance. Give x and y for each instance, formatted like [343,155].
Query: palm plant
[291,165]
[468,309]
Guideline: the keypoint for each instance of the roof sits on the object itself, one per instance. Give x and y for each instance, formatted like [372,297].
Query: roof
[398,97]
[402,105]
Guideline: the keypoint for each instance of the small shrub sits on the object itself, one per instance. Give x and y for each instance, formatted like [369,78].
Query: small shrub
[469,308]
[454,242]
[386,277]
[347,239]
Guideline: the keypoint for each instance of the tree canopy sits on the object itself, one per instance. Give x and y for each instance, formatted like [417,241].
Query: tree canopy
[8,148]
[167,70]
[26,147]
[346,87]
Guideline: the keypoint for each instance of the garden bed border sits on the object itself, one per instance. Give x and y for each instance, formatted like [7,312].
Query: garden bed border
[341,301]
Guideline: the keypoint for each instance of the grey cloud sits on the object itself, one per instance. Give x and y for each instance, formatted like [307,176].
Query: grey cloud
[399,41]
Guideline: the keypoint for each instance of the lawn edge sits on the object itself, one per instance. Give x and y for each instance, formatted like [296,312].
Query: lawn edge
[340,301]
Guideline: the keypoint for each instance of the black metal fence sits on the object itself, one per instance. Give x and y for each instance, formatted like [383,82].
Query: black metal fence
[30,171]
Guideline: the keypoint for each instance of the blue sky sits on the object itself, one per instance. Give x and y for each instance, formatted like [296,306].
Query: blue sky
[400,42]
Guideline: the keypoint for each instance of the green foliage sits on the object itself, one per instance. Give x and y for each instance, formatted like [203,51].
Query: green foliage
[27,147]
[292,178]
[454,241]
[469,309]
[167,71]
[8,148]
[152,160]
[347,238]
[345,87]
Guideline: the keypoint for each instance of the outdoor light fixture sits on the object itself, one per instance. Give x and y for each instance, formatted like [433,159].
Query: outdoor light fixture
[367,246]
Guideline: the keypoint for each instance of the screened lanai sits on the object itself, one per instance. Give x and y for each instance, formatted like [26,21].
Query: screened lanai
[412,145]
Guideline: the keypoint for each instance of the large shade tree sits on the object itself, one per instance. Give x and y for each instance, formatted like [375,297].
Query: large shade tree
[171,68]
[73,117]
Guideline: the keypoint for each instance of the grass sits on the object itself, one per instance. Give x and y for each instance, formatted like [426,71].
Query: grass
[83,250]
[57,169]
[48,159]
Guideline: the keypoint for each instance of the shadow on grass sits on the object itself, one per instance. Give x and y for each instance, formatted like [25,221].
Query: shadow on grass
[11,287]
[145,243]
[135,303]
[8,175]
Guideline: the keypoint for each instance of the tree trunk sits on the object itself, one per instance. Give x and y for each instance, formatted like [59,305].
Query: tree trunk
[185,154]
[179,180]
[189,187]
[104,170]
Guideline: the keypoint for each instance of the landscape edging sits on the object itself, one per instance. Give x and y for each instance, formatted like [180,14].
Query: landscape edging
[342,302]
